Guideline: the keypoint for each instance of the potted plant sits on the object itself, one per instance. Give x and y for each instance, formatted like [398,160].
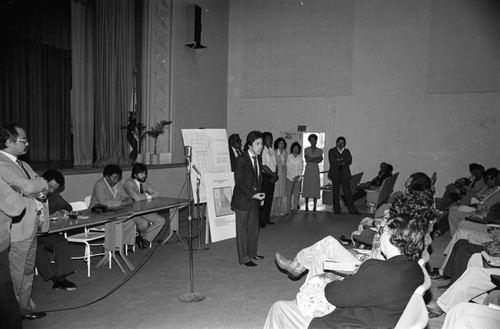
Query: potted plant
[135,134]
[156,130]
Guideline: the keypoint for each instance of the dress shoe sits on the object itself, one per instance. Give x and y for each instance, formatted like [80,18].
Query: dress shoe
[445,287]
[141,242]
[64,285]
[34,315]
[270,223]
[250,264]
[291,267]
[337,212]
[435,275]
[258,257]
[262,225]
[355,212]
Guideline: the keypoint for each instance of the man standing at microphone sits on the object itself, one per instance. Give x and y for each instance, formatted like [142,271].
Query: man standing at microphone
[247,198]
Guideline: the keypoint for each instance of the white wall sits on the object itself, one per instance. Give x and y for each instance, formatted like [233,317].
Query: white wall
[390,116]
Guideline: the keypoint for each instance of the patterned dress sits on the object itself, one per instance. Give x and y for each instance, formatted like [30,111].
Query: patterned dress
[311,187]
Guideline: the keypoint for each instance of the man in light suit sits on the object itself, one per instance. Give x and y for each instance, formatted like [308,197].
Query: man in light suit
[14,143]
[138,189]
[11,205]
[108,191]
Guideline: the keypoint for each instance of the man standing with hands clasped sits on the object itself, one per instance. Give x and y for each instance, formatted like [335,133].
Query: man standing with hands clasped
[340,174]
[247,198]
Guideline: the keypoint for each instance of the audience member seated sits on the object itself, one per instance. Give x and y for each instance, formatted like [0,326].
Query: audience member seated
[463,188]
[138,189]
[472,233]
[384,172]
[483,200]
[55,243]
[474,282]
[472,316]
[108,191]
[362,299]
[418,184]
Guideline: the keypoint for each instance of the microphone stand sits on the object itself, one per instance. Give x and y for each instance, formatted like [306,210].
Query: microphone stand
[199,247]
[190,296]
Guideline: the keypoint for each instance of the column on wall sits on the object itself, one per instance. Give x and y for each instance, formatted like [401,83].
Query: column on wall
[156,73]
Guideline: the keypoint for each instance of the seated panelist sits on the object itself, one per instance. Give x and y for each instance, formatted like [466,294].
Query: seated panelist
[137,188]
[108,191]
[55,242]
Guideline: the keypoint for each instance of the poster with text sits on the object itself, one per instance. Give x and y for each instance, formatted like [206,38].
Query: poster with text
[219,189]
[210,154]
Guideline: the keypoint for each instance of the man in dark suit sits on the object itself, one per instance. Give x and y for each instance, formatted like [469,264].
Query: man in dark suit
[340,174]
[234,149]
[55,243]
[247,198]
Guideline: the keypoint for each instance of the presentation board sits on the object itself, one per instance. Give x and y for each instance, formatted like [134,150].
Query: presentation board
[219,192]
[210,154]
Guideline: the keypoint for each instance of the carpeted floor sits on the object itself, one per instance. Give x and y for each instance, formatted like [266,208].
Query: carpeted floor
[235,296]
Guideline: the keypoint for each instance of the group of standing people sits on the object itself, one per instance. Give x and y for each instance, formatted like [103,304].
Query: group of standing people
[268,180]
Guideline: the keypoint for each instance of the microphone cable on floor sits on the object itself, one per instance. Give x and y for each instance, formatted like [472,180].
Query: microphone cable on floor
[129,276]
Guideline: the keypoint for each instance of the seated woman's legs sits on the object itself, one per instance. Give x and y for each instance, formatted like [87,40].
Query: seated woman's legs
[286,314]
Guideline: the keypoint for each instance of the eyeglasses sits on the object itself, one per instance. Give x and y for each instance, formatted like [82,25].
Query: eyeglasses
[23,140]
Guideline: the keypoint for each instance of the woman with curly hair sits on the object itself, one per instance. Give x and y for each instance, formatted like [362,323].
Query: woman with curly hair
[361,300]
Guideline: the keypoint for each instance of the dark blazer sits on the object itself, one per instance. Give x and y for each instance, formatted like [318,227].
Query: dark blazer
[374,297]
[339,164]
[246,184]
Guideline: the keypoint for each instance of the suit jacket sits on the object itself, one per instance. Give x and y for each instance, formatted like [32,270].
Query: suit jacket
[31,220]
[374,297]
[11,205]
[132,190]
[339,164]
[102,195]
[246,184]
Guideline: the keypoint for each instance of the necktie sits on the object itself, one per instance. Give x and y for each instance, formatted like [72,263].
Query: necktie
[256,168]
[141,189]
[238,151]
[19,162]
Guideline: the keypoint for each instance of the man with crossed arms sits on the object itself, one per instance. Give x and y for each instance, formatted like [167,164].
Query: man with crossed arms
[14,143]
[138,189]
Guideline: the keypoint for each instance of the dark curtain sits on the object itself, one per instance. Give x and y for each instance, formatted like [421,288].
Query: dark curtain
[114,65]
[36,78]
[38,97]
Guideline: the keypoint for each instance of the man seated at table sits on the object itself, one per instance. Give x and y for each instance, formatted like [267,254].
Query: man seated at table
[108,191]
[55,243]
[138,189]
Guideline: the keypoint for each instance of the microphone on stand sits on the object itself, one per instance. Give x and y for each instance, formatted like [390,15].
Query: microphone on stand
[196,169]
[188,154]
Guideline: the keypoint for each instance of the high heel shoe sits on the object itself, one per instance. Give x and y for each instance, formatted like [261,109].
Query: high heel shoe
[292,267]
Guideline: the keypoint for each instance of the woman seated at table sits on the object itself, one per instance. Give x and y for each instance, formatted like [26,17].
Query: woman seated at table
[362,299]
